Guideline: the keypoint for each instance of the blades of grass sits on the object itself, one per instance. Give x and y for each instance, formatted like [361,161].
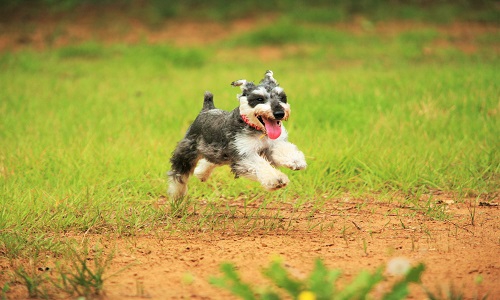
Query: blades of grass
[400,289]
[321,281]
[361,285]
[232,282]
[279,275]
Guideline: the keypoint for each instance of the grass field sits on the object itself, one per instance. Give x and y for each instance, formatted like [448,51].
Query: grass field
[86,131]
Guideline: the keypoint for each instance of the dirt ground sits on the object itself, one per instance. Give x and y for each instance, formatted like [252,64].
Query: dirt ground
[363,234]
[461,252]
[353,234]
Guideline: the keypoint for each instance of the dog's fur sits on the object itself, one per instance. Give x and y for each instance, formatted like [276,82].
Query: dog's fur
[250,138]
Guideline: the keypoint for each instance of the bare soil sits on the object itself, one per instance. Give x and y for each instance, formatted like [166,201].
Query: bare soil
[461,250]
[352,235]
[459,243]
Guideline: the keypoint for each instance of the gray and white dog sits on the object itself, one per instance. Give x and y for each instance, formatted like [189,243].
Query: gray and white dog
[251,139]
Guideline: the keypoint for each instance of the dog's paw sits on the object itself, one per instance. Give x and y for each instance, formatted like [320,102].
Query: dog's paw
[177,189]
[297,161]
[297,165]
[276,183]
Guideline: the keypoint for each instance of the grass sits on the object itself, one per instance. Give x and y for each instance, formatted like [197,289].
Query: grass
[79,272]
[95,125]
[86,131]
[321,283]
[79,276]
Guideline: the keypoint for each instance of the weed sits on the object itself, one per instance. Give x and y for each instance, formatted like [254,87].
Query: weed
[33,280]
[320,284]
[471,207]
[344,234]
[448,294]
[365,247]
[78,277]
[5,289]
[402,224]
[435,210]
[232,281]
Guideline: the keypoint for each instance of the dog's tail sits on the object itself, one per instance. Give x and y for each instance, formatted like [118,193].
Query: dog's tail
[208,101]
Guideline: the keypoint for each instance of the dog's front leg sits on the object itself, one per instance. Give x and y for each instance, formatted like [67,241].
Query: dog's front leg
[286,154]
[259,169]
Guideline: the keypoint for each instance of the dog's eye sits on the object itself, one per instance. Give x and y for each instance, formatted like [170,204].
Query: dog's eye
[260,99]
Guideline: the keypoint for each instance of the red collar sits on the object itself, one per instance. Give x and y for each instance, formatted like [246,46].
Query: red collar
[245,119]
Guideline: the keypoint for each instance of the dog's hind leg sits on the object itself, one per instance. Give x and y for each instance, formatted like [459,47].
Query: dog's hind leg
[204,169]
[183,161]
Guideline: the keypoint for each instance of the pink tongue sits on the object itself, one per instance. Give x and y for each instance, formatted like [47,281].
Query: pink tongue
[273,128]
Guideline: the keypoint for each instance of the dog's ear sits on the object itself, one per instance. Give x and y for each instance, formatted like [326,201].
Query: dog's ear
[269,82]
[241,83]
[244,85]
[269,77]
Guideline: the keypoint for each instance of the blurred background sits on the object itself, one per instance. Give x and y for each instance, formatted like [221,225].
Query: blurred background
[48,23]
[405,90]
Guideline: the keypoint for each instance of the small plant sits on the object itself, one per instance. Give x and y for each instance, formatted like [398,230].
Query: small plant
[448,294]
[75,275]
[5,289]
[79,278]
[232,282]
[321,283]
[33,281]
[471,207]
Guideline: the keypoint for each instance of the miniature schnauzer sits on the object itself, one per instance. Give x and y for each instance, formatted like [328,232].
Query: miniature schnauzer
[251,139]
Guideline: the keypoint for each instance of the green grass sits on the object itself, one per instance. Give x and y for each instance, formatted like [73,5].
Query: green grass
[86,131]
[320,284]
[86,134]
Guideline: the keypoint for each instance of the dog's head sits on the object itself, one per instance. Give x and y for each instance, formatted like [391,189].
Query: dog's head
[263,106]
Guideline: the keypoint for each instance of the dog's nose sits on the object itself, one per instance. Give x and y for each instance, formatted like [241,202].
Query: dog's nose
[278,115]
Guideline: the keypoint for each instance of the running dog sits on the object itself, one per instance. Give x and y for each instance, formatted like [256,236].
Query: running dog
[251,139]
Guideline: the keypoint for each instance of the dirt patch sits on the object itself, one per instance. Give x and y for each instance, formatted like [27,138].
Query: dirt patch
[355,235]
[348,234]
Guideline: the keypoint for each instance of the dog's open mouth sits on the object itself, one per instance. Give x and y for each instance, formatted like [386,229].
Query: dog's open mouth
[273,127]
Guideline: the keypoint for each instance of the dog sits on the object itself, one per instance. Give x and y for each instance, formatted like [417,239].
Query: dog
[251,139]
